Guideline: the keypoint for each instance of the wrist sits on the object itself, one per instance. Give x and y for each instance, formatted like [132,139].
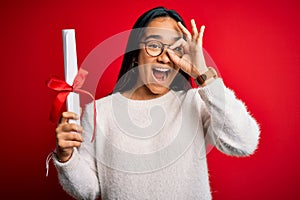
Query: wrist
[206,77]
[62,156]
[197,72]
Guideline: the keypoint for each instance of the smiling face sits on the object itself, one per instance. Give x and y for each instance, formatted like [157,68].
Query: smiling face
[156,73]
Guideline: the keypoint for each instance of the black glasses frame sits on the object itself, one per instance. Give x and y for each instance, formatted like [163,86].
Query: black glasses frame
[162,47]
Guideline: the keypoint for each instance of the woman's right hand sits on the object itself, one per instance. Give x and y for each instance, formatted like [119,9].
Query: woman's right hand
[67,136]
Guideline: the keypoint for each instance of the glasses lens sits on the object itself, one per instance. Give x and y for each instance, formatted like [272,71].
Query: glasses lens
[154,48]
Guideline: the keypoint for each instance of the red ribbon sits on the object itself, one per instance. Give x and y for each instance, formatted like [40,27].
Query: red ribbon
[64,90]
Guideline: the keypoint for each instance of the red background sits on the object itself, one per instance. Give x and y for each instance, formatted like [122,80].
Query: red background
[255,45]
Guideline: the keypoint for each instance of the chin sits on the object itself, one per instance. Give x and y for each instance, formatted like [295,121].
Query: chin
[158,89]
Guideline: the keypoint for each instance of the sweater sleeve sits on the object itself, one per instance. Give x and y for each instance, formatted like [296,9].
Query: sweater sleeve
[227,123]
[78,176]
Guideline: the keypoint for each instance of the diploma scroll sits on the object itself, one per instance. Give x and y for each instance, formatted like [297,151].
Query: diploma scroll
[71,70]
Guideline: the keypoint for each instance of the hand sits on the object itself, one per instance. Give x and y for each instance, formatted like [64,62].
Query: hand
[192,62]
[67,136]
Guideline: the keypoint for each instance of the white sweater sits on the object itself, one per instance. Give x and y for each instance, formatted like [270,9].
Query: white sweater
[156,149]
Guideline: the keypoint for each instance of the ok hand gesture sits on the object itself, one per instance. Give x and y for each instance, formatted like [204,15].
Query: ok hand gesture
[192,62]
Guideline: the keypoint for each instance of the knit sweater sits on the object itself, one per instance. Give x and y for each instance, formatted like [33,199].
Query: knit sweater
[156,149]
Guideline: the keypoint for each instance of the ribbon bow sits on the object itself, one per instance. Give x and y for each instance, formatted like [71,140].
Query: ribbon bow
[64,90]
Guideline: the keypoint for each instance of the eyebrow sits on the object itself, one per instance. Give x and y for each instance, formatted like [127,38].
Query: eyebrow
[160,37]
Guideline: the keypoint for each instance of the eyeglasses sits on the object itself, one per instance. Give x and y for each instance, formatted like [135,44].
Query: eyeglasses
[155,48]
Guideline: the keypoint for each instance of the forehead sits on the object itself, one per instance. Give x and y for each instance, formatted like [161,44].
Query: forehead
[164,28]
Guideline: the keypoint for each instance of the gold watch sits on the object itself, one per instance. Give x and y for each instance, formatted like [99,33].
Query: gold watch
[210,73]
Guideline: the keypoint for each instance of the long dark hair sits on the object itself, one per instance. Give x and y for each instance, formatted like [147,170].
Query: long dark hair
[128,73]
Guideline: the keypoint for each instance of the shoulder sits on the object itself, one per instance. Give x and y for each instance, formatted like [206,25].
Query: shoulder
[189,95]
[101,102]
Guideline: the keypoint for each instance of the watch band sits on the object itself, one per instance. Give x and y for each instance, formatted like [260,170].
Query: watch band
[210,73]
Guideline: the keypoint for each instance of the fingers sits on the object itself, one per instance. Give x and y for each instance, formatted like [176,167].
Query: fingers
[194,29]
[68,135]
[65,142]
[185,31]
[64,145]
[199,39]
[69,128]
[181,42]
[64,126]
[68,132]
[182,63]
[196,35]
[68,115]
[64,139]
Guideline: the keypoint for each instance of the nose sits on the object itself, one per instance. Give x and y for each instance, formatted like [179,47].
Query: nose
[163,57]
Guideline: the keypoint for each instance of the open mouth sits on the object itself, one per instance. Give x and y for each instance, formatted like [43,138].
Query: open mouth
[161,74]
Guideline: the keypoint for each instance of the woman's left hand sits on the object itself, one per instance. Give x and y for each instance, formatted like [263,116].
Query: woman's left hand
[192,62]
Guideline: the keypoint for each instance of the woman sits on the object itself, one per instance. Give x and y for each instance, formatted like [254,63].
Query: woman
[152,131]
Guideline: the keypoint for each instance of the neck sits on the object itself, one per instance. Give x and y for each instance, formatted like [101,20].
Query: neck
[140,93]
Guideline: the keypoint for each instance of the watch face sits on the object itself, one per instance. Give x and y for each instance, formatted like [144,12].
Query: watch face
[204,77]
[200,79]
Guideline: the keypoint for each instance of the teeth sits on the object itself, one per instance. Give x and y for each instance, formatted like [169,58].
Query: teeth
[162,69]
[160,74]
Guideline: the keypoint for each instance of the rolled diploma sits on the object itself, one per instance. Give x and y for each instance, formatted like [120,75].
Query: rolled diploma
[71,70]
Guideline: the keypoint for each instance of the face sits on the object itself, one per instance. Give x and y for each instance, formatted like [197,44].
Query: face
[156,73]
